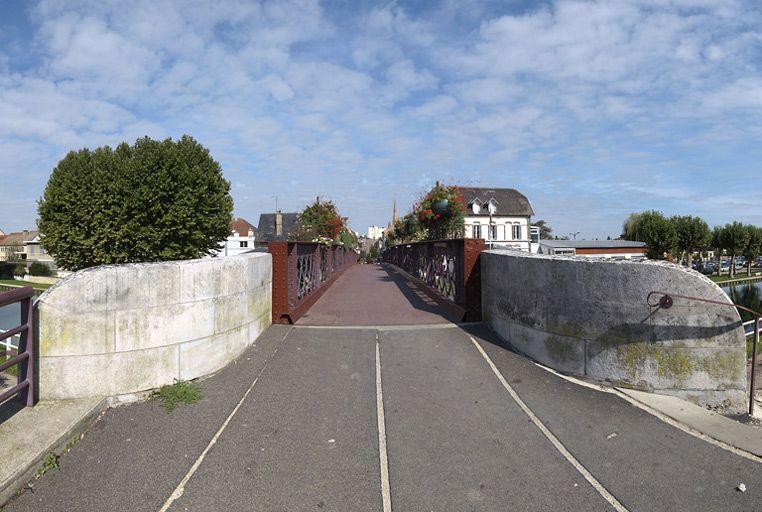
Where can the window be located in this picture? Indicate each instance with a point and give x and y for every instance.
(476, 231)
(516, 232)
(493, 232)
(244, 244)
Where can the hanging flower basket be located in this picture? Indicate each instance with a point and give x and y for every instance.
(440, 212)
(440, 206)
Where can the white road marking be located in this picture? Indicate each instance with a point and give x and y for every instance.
(180, 489)
(386, 495)
(551, 437)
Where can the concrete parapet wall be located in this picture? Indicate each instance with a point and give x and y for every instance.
(590, 317)
(121, 329)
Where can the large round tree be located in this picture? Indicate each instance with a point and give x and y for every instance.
(152, 201)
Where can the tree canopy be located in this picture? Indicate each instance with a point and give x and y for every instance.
(691, 234)
(655, 230)
(321, 222)
(150, 201)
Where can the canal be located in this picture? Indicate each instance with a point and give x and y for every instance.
(749, 295)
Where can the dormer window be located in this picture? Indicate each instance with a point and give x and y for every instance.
(492, 206)
(476, 207)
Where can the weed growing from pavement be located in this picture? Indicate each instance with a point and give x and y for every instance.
(181, 391)
(50, 462)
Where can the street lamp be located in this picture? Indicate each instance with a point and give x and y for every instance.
(574, 234)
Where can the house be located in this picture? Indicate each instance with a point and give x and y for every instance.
(276, 226)
(13, 245)
(606, 249)
(501, 216)
(36, 252)
(375, 232)
(241, 239)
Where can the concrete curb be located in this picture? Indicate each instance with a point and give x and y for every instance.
(692, 419)
(32, 433)
(708, 423)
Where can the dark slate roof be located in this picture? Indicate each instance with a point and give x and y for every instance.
(509, 200)
(592, 244)
(266, 229)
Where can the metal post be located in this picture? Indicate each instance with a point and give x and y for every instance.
(26, 344)
(754, 349)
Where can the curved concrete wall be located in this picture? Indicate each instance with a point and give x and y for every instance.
(590, 317)
(121, 329)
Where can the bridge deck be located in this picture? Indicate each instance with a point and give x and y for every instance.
(292, 425)
(376, 295)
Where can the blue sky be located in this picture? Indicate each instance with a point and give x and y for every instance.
(593, 109)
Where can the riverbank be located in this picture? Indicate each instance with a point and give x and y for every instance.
(18, 284)
(725, 280)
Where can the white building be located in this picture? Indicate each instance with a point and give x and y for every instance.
(375, 232)
(36, 252)
(241, 238)
(605, 249)
(501, 216)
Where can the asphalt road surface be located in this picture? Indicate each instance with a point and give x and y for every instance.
(293, 426)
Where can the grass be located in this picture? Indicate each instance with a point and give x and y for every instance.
(36, 286)
(724, 278)
(181, 392)
(13, 370)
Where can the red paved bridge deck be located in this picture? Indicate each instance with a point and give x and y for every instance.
(376, 295)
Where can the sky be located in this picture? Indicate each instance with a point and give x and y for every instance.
(592, 109)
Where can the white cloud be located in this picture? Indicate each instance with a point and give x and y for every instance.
(297, 101)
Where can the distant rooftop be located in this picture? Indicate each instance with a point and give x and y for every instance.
(242, 226)
(509, 201)
(18, 237)
(592, 244)
(266, 229)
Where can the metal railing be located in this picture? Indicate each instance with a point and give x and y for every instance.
(302, 271)
(666, 300)
(23, 357)
(449, 268)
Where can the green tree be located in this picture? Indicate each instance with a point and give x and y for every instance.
(691, 234)
(40, 269)
(655, 230)
(753, 246)
(630, 227)
(716, 243)
(735, 237)
(546, 232)
(152, 201)
(320, 221)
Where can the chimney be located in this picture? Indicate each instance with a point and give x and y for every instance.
(278, 223)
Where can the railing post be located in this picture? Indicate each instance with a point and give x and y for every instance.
(281, 288)
(754, 348)
(472, 278)
(26, 344)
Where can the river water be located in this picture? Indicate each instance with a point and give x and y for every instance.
(749, 295)
(10, 317)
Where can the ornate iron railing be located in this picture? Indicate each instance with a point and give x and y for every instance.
(24, 356)
(450, 268)
(302, 271)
